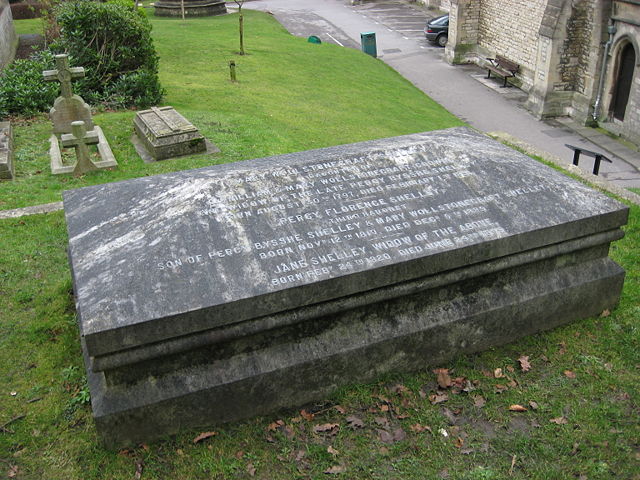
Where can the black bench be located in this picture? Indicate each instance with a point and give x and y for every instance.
(598, 156)
(503, 67)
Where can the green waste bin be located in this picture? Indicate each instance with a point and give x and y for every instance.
(368, 41)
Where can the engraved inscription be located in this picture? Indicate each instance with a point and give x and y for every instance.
(309, 222)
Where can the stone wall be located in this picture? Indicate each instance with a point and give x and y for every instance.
(626, 32)
(511, 29)
(8, 38)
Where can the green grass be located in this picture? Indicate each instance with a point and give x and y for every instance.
(31, 25)
(290, 96)
(288, 100)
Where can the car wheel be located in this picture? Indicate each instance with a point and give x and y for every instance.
(442, 40)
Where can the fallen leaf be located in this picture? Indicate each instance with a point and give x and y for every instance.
(499, 388)
(569, 374)
(204, 436)
(306, 415)
(327, 428)
(438, 398)
(563, 348)
(510, 369)
(466, 451)
(479, 401)
(251, 470)
(487, 373)
(443, 378)
(239, 454)
(559, 421)
(385, 437)
(443, 432)
(287, 431)
(391, 437)
(335, 470)
(605, 313)
(139, 469)
(402, 416)
(274, 426)
(384, 407)
(354, 422)
(517, 408)
(180, 452)
(126, 452)
(340, 409)
(399, 434)
(382, 421)
(525, 365)
(533, 405)
(459, 442)
(332, 451)
(399, 389)
(512, 383)
(13, 471)
(497, 373)
(449, 415)
(417, 428)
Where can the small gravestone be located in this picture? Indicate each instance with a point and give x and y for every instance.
(67, 107)
(7, 167)
(162, 133)
(215, 294)
(71, 116)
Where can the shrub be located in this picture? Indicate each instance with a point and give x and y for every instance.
(28, 9)
(22, 88)
(112, 41)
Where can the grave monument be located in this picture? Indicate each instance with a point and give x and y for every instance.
(211, 295)
(192, 8)
(162, 133)
(67, 110)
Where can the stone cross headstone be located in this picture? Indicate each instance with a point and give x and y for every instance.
(79, 139)
(68, 107)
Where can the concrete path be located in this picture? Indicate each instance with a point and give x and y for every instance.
(463, 90)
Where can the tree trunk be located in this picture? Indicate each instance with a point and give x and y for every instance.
(241, 25)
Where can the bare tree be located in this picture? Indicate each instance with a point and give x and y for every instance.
(241, 25)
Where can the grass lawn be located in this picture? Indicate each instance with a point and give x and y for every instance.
(581, 391)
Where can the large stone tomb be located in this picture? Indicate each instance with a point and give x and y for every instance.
(210, 295)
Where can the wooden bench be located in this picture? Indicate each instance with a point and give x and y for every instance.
(503, 67)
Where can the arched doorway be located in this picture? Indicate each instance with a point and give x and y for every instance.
(624, 80)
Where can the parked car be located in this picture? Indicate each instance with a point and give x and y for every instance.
(437, 30)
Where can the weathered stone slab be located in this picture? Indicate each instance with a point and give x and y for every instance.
(7, 166)
(266, 283)
(192, 8)
(164, 133)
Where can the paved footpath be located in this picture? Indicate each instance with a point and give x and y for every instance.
(463, 90)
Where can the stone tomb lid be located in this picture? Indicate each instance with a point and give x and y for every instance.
(165, 122)
(160, 257)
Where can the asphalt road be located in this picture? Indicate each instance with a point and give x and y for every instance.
(463, 90)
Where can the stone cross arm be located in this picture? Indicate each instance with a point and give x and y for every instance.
(63, 74)
(79, 136)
